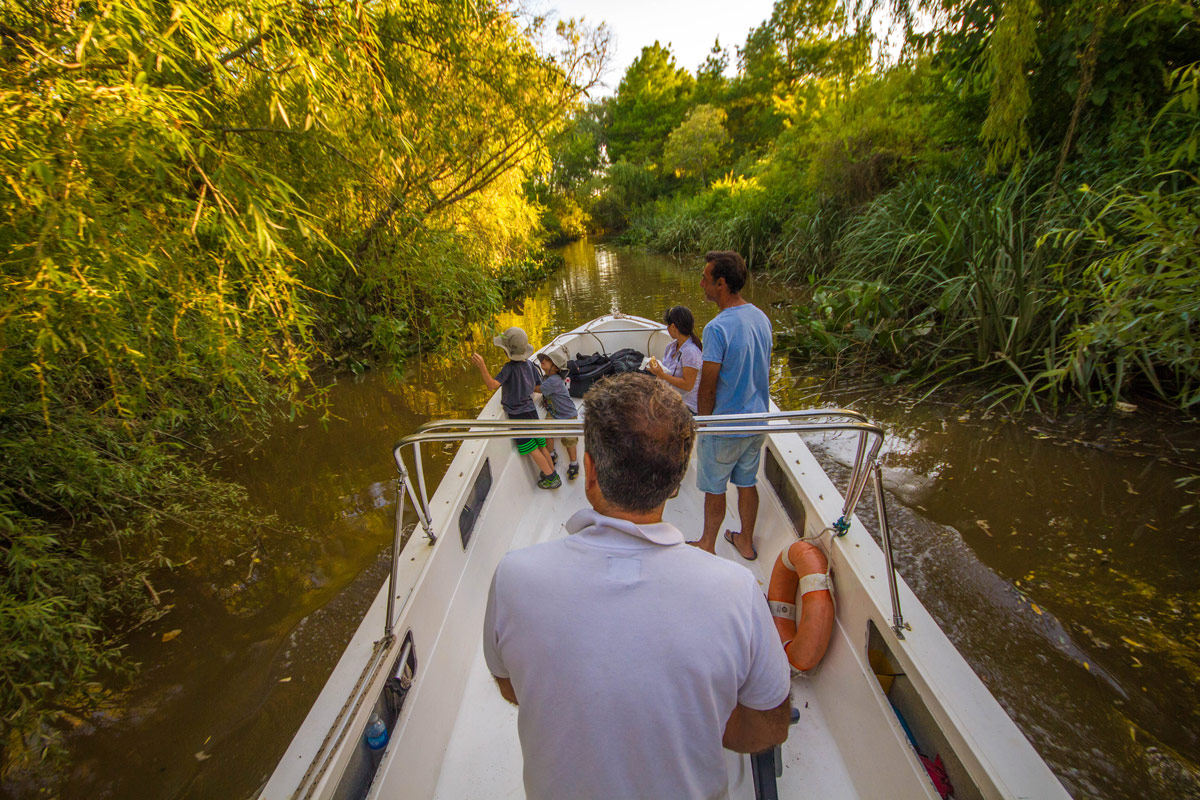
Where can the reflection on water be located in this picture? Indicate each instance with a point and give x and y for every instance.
(1060, 559)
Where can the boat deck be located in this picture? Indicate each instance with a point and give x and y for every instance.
(881, 692)
(483, 758)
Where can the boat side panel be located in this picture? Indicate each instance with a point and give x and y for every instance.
(446, 617)
(846, 725)
(996, 755)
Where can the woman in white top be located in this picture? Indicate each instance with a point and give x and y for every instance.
(681, 363)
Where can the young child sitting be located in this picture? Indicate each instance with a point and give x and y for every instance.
(515, 381)
(558, 402)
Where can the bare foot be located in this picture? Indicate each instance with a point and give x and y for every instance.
(699, 544)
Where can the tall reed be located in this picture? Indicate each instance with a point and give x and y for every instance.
(1038, 294)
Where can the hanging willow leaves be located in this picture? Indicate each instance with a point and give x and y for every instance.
(1011, 52)
(199, 200)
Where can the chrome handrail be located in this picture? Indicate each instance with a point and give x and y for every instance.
(866, 466)
(702, 422)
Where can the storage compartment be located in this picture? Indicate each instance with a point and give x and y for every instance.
(923, 732)
(364, 761)
(474, 503)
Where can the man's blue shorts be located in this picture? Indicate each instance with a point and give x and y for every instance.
(720, 459)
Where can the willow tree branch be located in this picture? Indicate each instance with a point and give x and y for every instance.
(242, 50)
(1087, 72)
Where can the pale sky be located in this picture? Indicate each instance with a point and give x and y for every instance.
(689, 27)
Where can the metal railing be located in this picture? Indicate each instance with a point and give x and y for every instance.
(649, 330)
(866, 467)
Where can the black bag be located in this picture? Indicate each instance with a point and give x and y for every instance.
(586, 370)
(627, 360)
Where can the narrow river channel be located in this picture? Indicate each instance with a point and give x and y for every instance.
(1062, 559)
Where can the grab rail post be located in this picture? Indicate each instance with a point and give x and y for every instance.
(422, 513)
(885, 534)
(856, 489)
(424, 496)
(397, 533)
(855, 473)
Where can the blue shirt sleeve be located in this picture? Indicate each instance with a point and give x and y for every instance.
(715, 342)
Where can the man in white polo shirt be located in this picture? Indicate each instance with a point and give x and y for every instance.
(634, 657)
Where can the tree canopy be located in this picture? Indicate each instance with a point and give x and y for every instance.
(698, 144)
(651, 101)
(202, 201)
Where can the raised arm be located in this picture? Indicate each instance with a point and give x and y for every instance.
(491, 383)
(750, 731)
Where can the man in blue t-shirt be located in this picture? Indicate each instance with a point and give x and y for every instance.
(734, 379)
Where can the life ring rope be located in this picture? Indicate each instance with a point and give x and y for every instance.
(809, 583)
(783, 559)
(816, 540)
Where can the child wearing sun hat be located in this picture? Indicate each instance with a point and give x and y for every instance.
(515, 381)
(559, 404)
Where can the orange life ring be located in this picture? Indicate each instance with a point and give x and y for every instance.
(802, 567)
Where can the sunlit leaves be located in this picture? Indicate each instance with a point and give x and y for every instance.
(651, 101)
(200, 200)
(698, 145)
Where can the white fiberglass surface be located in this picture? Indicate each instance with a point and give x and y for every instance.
(483, 757)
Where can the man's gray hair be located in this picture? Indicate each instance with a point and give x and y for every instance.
(639, 434)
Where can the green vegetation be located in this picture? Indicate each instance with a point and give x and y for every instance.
(205, 200)
(202, 200)
(1014, 200)
(697, 145)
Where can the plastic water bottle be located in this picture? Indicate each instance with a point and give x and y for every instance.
(377, 733)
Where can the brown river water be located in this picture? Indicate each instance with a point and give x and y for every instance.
(1061, 557)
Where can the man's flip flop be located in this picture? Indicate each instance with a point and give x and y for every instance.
(729, 538)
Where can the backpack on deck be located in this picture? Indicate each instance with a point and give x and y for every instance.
(586, 370)
(627, 360)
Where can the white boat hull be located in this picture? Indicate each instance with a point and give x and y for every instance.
(455, 737)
